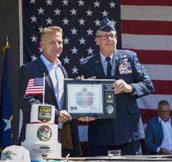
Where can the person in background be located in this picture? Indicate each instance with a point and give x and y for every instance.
(159, 131)
(51, 43)
(132, 82)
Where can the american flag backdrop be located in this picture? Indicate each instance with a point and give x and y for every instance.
(79, 20)
(144, 26)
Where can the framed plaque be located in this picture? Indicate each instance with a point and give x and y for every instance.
(90, 97)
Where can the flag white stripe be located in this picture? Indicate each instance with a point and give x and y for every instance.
(35, 90)
(151, 101)
(159, 72)
(147, 42)
(159, 13)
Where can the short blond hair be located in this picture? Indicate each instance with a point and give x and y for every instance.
(50, 29)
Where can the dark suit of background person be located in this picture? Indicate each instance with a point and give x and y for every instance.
(51, 44)
(124, 131)
(155, 132)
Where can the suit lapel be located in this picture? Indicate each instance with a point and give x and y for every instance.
(115, 62)
(64, 71)
(99, 68)
(113, 66)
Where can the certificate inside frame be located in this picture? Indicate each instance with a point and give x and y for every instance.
(100, 94)
(82, 98)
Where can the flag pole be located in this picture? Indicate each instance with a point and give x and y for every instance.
(44, 89)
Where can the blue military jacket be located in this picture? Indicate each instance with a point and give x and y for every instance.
(128, 124)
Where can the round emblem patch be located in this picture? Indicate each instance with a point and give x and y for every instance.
(109, 109)
(44, 133)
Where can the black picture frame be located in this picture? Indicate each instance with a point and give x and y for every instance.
(90, 97)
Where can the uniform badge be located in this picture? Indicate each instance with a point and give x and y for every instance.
(44, 133)
(109, 109)
(125, 68)
(109, 97)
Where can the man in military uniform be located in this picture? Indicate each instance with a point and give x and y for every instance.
(132, 82)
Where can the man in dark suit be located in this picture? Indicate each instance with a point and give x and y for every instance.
(49, 64)
(159, 131)
(132, 82)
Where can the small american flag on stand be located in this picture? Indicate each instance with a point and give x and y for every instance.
(34, 87)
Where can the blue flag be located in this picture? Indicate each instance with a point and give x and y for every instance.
(5, 106)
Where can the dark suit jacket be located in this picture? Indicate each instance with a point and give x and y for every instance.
(154, 135)
(36, 69)
(128, 125)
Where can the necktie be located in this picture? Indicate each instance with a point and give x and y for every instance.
(109, 67)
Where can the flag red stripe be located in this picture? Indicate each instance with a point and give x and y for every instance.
(147, 114)
(154, 57)
(147, 2)
(33, 94)
(146, 27)
(28, 93)
(162, 87)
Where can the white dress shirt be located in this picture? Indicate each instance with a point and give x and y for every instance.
(57, 78)
(104, 62)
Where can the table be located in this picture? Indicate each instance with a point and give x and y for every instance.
(128, 158)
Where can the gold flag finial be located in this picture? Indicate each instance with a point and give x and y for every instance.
(6, 45)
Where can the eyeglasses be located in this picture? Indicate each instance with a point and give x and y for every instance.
(163, 112)
(105, 37)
